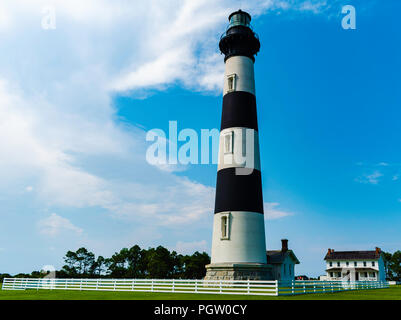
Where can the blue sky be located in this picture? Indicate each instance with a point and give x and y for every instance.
(76, 103)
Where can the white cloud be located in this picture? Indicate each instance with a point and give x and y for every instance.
(54, 225)
(183, 48)
(273, 213)
(191, 247)
(383, 164)
(372, 178)
(58, 128)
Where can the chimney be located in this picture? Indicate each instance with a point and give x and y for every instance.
(378, 250)
(328, 251)
(284, 245)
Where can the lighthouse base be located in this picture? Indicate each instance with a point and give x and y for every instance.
(238, 271)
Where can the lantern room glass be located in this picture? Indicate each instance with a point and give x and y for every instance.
(240, 19)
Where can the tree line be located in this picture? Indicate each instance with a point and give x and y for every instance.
(134, 262)
(392, 264)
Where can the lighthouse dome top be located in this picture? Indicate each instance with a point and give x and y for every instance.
(239, 18)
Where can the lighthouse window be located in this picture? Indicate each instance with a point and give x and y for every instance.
(224, 227)
(231, 79)
(228, 142)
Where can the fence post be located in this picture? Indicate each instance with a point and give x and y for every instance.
(304, 288)
(133, 285)
(173, 285)
(152, 285)
(114, 284)
(332, 289)
(292, 286)
(314, 286)
(220, 287)
(248, 284)
(276, 287)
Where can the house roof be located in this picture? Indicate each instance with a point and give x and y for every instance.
(361, 269)
(353, 255)
(278, 256)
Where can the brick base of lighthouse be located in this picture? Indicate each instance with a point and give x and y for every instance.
(238, 271)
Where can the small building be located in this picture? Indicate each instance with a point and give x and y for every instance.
(355, 265)
(282, 262)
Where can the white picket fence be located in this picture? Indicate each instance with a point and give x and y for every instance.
(247, 287)
(317, 286)
(147, 285)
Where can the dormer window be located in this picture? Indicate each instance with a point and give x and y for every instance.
(330, 264)
(338, 264)
(231, 82)
(373, 264)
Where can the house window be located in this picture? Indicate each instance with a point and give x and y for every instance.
(338, 264)
(365, 274)
(225, 223)
(231, 82)
(331, 274)
(339, 274)
(228, 142)
(331, 264)
(364, 263)
(373, 263)
(355, 264)
(373, 274)
(347, 263)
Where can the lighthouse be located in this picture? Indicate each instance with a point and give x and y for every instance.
(238, 243)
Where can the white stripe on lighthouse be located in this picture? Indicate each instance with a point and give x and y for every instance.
(246, 238)
(245, 149)
(242, 68)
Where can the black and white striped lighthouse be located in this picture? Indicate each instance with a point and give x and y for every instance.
(238, 245)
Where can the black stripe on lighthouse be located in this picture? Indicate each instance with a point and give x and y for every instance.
(238, 192)
(239, 110)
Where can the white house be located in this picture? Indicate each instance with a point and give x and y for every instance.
(355, 265)
(282, 262)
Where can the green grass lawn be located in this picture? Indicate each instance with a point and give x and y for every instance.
(392, 293)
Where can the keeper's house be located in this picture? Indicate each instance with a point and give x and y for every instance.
(355, 265)
(282, 262)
